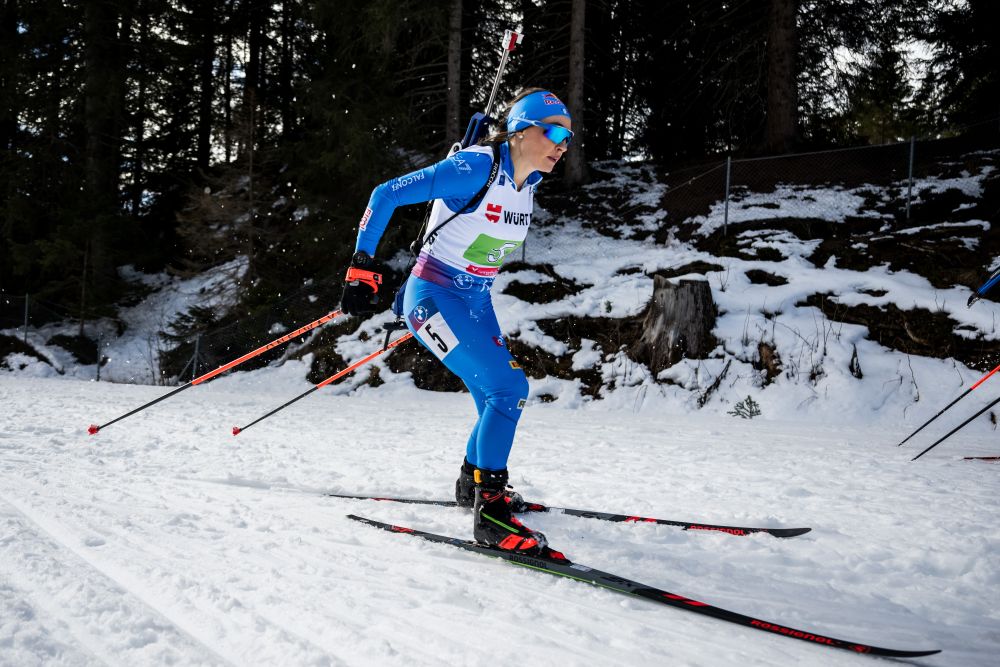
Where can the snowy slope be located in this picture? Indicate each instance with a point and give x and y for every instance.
(165, 540)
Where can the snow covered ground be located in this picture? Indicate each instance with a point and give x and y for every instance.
(165, 540)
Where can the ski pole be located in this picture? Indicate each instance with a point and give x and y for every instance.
(94, 428)
(333, 378)
(981, 292)
(964, 394)
(948, 435)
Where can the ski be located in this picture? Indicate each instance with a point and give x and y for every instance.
(603, 516)
(981, 458)
(556, 564)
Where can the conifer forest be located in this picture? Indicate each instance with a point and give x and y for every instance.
(173, 135)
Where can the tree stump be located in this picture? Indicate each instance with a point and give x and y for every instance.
(678, 324)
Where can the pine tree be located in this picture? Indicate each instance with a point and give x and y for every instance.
(963, 77)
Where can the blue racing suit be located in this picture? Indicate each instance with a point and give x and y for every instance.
(447, 302)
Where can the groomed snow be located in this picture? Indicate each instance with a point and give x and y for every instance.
(165, 540)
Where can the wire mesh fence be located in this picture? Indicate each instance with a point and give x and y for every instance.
(20, 311)
(199, 349)
(185, 345)
(882, 184)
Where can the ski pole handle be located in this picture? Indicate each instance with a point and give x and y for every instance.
(511, 38)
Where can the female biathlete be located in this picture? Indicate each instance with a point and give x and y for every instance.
(483, 197)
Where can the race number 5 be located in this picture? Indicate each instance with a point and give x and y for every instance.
(438, 336)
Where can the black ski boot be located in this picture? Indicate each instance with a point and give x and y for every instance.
(493, 521)
(465, 490)
(465, 485)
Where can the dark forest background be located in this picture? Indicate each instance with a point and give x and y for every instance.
(175, 135)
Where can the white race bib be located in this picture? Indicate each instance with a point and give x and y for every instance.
(438, 336)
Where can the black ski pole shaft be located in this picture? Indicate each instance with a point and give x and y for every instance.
(238, 429)
(960, 426)
(947, 407)
(333, 378)
(94, 428)
(964, 394)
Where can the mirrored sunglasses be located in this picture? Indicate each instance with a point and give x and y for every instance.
(554, 133)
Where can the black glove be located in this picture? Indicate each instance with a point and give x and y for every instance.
(361, 286)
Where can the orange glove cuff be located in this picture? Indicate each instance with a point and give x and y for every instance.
(370, 278)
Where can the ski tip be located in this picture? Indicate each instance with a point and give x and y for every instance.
(378, 524)
(788, 532)
(93, 429)
(236, 430)
(891, 653)
(362, 519)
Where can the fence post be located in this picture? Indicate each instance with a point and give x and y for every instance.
(725, 215)
(26, 297)
(194, 360)
(909, 189)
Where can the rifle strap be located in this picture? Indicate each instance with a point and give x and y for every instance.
(471, 205)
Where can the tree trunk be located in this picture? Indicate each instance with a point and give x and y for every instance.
(142, 41)
(206, 17)
(472, 20)
(101, 105)
(576, 163)
(453, 101)
(782, 97)
(619, 117)
(255, 39)
(8, 74)
(599, 77)
(104, 103)
(285, 66)
(227, 96)
(678, 324)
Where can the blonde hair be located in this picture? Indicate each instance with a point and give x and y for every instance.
(504, 135)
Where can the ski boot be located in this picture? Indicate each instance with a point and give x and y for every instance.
(465, 490)
(465, 485)
(493, 521)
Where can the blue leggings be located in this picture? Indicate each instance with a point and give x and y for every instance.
(460, 328)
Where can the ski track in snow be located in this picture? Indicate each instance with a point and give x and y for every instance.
(164, 540)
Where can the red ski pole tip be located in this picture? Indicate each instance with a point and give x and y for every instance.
(93, 429)
(236, 430)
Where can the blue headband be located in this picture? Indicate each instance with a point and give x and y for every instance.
(536, 106)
